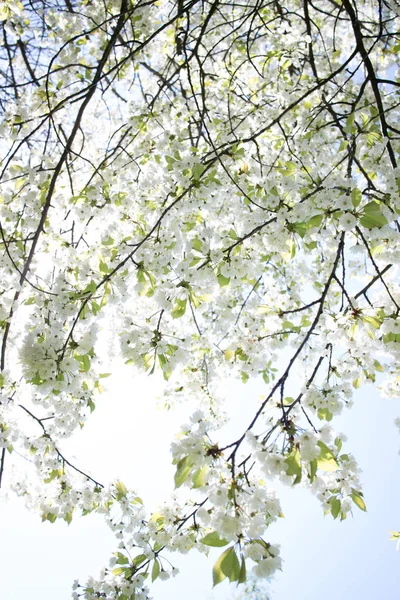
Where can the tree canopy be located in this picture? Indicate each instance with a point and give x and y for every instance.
(210, 188)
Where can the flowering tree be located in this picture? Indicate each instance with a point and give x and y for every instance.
(219, 180)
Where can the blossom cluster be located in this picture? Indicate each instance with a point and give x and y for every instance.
(209, 191)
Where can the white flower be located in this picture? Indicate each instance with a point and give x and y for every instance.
(203, 516)
(228, 526)
(164, 575)
(391, 325)
(308, 446)
(218, 496)
(267, 567)
(348, 221)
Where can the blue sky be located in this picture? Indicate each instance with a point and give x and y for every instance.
(323, 559)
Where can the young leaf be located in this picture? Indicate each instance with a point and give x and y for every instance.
(358, 500)
(121, 490)
(326, 459)
(226, 566)
(223, 281)
(179, 309)
(183, 469)
(198, 478)
(325, 414)
(356, 197)
(313, 469)
(294, 465)
(139, 559)
(372, 216)
(218, 574)
(335, 507)
(197, 171)
(230, 565)
(242, 573)
(121, 558)
(119, 570)
(155, 571)
(213, 539)
(85, 362)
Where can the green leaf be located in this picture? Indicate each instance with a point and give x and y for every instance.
(68, 517)
(372, 138)
(179, 309)
(242, 573)
(326, 460)
(121, 558)
(139, 559)
(315, 221)
(1, 380)
(197, 171)
(90, 288)
(358, 500)
(197, 244)
(183, 469)
(274, 191)
(349, 123)
(218, 574)
(213, 539)
(232, 234)
(103, 267)
(338, 443)
(53, 475)
(353, 330)
(226, 566)
(374, 321)
(37, 380)
(121, 490)
(312, 245)
(95, 308)
(198, 478)
(389, 337)
(230, 565)
(223, 280)
(313, 469)
(288, 401)
(155, 570)
(49, 517)
(287, 169)
(372, 216)
(294, 465)
(85, 360)
(108, 242)
(119, 570)
(301, 228)
(141, 276)
(335, 507)
(325, 414)
(356, 197)
(244, 376)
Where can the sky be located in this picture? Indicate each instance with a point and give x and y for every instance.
(128, 437)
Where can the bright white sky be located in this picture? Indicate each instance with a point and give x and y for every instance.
(128, 437)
